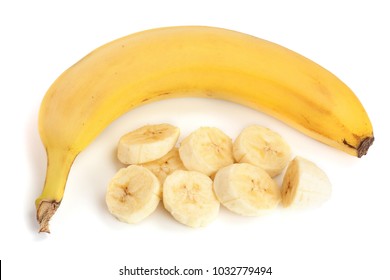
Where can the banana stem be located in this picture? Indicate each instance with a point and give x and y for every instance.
(364, 145)
(59, 163)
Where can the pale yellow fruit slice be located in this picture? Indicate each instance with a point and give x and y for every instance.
(246, 189)
(305, 185)
(133, 194)
(166, 165)
(262, 147)
(189, 197)
(206, 150)
(147, 143)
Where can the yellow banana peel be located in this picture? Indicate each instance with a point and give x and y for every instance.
(187, 61)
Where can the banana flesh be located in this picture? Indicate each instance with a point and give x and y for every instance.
(189, 197)
(191, 61)
(206, 150)
(246, 189)
(305, 185)
(133, 194)
(193, 198)
(147, 143)
(262, 147)
(166, 165)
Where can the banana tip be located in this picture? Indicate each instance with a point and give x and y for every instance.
(364, 146)
(45, 211)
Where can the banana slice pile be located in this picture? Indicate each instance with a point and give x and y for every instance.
(207, 169)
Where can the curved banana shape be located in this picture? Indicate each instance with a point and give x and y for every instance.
(191, 61)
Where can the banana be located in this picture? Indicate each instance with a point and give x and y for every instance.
(206, 150)
(188, 61)
(246, 189)
(166, 165)
(189, 197)
(147, 143)
(133, 194)
(262, 147)
(305, 184)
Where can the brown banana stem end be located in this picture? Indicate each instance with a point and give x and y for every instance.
(364, 145)
(45, 211)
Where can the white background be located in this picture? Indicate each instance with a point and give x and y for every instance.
(348, 238)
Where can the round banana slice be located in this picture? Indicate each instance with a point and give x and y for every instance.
(133, 194)
(305, 184)
(246, 189)
(147, 143)
(189, 197)
(206, 150)
(262, 147)
(166, 165)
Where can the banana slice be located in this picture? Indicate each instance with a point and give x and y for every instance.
(189, 197)
(206, 150)
(262, 147)
(305, 184)
(133, 194)
(166, 165)
(147, 143)
(246, 189)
